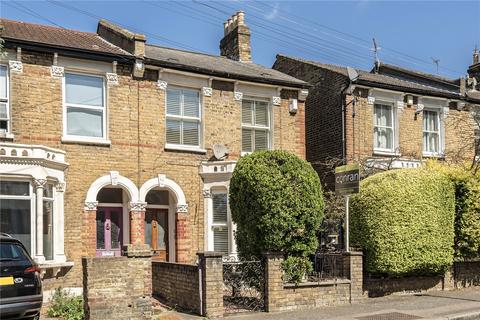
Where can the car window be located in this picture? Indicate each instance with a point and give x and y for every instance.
(12, 251)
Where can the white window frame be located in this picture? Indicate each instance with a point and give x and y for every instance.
(257, 127)
(183, 147)
(86, 139)
(229, 224)
(393, 127)
(6, 100)
(30, 197)
(439, 152)
(54, 213)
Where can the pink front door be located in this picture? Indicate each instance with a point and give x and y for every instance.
(109, 232)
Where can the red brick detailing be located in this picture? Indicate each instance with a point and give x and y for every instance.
(182, 239)
(137, 227)
(89, 233)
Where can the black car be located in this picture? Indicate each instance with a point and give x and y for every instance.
(20, 284)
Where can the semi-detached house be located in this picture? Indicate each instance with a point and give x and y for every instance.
(389, 117)
(107, 141)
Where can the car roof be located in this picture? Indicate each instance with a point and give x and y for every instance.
(5, 237)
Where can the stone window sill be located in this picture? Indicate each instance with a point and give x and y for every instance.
(86, 141)
(56, 267)
(386, 153)
(7, 137)
(175, 147)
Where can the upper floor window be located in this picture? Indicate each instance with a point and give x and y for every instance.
(85, 106)
(431, 132)
(4, 103)
(384, 127)
(255, 125)
(183, 117)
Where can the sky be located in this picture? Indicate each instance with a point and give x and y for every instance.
(408, 33)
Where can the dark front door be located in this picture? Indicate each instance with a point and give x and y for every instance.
(156, 232)
(109, 232)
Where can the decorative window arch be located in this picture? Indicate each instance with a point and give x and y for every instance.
(163, 182)
(113, 179)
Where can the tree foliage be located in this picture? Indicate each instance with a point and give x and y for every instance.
(403, 220)
(276, 202)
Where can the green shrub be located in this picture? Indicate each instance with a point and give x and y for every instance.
(403, 220)
(467, 208)
(276, 201)
(65, 305)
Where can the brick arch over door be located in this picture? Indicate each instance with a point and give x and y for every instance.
(113, 179)
(164, 183)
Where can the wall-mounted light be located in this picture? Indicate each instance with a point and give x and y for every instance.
(293, 106)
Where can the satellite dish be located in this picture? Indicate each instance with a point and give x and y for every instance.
(220, 151)
(352, 74)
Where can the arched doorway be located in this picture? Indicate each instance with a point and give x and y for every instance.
(111, 213)
(165, 219)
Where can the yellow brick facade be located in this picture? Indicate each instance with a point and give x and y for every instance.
(136, 129)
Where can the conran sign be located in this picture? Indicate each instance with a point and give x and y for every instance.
(347, 179)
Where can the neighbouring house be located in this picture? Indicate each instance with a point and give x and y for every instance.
(390, 117)
(107, 140)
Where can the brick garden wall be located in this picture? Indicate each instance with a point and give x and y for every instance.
(462, 274)
(117, 288)
(283, 297)
(176, 284)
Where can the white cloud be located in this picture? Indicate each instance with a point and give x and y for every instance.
(273, 14)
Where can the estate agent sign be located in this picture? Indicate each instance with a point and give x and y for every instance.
(347, 181)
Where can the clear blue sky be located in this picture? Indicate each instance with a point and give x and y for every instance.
(409, 33)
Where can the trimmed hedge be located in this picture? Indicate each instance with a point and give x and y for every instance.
(403, 220)
(467, 208)
(277, 204)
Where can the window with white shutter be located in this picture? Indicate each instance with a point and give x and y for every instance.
(4, 100)
(220, 226)
(431, 132)
(255, 125)
(183, 125)
(384, 128)
(85, 110)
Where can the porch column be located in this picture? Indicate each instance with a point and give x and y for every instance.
(39, 184)
(89, 230)
(137, 223)
(182, 237)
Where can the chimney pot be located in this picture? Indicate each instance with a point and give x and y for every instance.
(241, 18)
(475, 55)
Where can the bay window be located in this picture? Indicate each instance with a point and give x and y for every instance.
(85, 110)
(16, 211)
(183, 114)
(4, 100)
(431, 132)
(255, 125)
(384, 128)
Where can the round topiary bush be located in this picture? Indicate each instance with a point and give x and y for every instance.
(403, 220)
(276, 202)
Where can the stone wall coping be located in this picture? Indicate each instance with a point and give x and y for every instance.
(175, 264)
(353, 253)
(273, 254)
(210, 254)
(316, 284)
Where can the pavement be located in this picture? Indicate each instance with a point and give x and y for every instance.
(443, 305)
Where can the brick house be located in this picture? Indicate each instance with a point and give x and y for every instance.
(390, 117)
(107, 141)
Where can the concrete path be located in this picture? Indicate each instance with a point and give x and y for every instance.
(446, 305)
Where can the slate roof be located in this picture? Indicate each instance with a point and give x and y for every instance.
(18, 31)
(218, 66)
(397, 78)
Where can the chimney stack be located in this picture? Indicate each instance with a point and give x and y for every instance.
(235, 44)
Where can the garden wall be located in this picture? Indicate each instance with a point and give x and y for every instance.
(463, 274)
(176, 284)
(280, 296)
